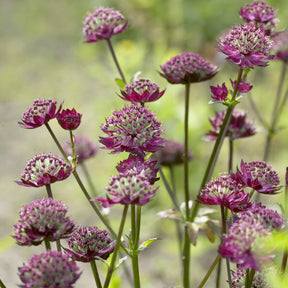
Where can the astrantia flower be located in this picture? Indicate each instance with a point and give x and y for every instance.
(224, 191)
(142, 91)
(43, 219)
(69, 119)
(133, 129)
(280, 47)
(246, 46)
(39, 114)
(244, 87)
(259, 176)
(172, 153)
(187, 68)
(44, 169)
(50, 269)
(219, 93)
(84, 148)
(128, 188)
(136, 163)
(102, 24)
(90, 243)
(259, 13)
(242, 244)
(239, 126)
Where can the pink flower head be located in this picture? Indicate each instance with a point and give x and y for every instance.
(84, 148)
(43, 219)
(142, 91)
(40, 114)
(244, 87)
(128, 188)
(239, 126)
(187, 68)
(90, 243)
(239, 278)
(49, 269)
(136, 163)
(259, 176)
(259, 13)
(69, 119)
(172, 154)
(280, 47)
(226, 192)
(102, 24)
(44, 169)
(242, 244)
(219, 93)
(246, 46)
(133, 129)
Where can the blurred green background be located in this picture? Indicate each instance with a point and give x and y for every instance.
(43, 55)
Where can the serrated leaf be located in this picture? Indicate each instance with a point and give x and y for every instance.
(120, 83)
(146, 243)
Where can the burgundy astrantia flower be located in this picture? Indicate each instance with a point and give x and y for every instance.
(219, 93)
(246, 46)
(172, 153)
(43, 219)
(39, 114)
(102, 24)
(49, 269)
(259, 176)
(44, 169)
(242, 244)
(239, 126)
(69, 119)
(280, 47)
(136, 163)
(128, 188)
(84, 148)
(226, 192)
(259, 13)
(141, 91)
(244, 87)
(90, 243)
(187, 68)
(133, 129)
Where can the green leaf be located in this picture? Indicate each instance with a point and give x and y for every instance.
(120, 83)
(146, 243)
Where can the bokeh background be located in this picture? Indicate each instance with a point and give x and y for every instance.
(43, 55)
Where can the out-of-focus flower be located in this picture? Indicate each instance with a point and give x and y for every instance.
(136, 163)
(43, 219)
(239, 126)
(69, 119)
(187, 68)
(226, 192)
(244, 87)
(219, 93)
(171, 154)
(49, 269)
(243, 244)
(84, 148)
(44, 169)
(133, 129)
(39, 114)
(246, 46)
(280, 47)
(90, 243)
(259, 13)
(259, 176)
(128, 188)
(141, 91)
(102, 24)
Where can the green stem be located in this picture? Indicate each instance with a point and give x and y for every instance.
(217, 259)
(186, 258)
(96, 274)
(117, 246)
(249, 278)
(47, 244)
(217, 145)
(49, 191)
(73, 148)
(115, 60)
(88, 177)
(172, 177)
(230, 164)
(218, 278)
(2, 284)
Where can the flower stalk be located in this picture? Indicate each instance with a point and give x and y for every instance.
(96, 274)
